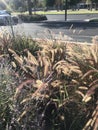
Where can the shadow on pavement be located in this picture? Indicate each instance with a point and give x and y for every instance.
(68, 24)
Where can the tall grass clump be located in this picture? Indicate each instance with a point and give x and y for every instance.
(86, 58)
(5, 41)
(22, 43)
(56, 87)
(56, 75)
(17, 43)
(7, 89)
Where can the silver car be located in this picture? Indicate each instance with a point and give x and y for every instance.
(6, 18)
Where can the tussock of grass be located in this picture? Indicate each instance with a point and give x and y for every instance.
(56, 88)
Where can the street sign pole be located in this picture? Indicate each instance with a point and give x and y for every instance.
(66, 1)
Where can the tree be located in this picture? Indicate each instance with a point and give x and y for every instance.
(50, 3)
(35, 4)
(21, 5)
(59, 4)
(89, 3)
(2, 5)
(96, 4)
(29, 7)
(17, 4)
(73, 4)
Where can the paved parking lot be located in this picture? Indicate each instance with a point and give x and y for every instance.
(47, 30)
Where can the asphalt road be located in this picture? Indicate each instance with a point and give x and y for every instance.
(56, 28)
(71, 17)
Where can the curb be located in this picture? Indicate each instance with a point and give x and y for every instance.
(76, 23)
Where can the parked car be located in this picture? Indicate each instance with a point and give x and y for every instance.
(92, 20)
(6, 18)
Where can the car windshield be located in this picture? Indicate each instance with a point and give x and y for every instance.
(3, 12)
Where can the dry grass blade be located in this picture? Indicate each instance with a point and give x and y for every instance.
(46, 64)
(93, 83)
(16, 57)
(40, 91)
(26, 100)
(75, 82)
(86, 98)
(95, 116)
(46, 67)
(19, 88)
(62, 62)
(89, 93)
(89, 73)
(1, 56)
(92, 123)
(30, 69)
(92, 89)
(22, 115)
(40, 59)
(19, 60)
(83, 88)
(12, 51)
(38, 83)
(56, 83)
(76, 69)
(53, 55)
(31, 59)
(94, 55)
(80, 93)
(13, 64)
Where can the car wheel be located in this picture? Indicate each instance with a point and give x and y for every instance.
(15, 20)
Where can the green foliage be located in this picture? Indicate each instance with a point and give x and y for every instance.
(50, 3)
(2, 5)
(32, 18)
(22, 43)
(5, 41)
(17, 4)
(7, 88)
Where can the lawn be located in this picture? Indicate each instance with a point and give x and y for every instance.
(81, 11)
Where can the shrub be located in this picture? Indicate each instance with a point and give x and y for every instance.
(18, 43)
(51, 90)
(59, 86)
(7, 89)
(32, 18)
(5, 41)
(22, 43)
(86, 58)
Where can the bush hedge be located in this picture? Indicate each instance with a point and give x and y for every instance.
(32, 18)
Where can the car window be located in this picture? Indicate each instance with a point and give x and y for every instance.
(3, 12)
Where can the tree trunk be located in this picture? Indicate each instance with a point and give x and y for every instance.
(35, 6)
(29, 7)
